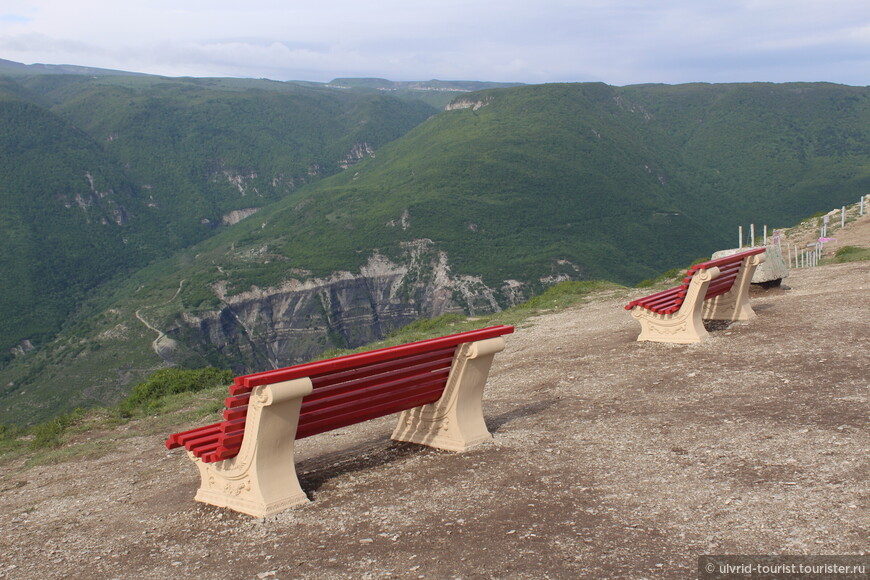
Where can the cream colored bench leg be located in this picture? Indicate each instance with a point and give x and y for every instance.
(454, 422)
(684, 326)
(734, 304)
(261, 480)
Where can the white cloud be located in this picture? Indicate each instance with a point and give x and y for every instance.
(619, 42)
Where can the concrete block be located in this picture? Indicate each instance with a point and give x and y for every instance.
(773, 268)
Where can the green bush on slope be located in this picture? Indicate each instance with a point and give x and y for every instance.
(148, 396)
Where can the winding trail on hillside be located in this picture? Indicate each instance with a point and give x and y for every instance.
(155, 344)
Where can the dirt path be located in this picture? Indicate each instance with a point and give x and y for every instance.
(611, 459)
(162, 344)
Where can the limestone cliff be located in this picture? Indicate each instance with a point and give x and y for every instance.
(272, 327)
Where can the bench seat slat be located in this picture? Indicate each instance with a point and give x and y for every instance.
(343, 395)
(232, 440)
(201, 448)
(335, 389)
(237, 400)
(174, 440)
(726, 260)
(350, 414)
(440, 357)
(652, 297)
(179, 439)
(673, 296)
(234, 425)
(210, 457)
(667, 302)
(236, 413)
(223, 452)
(328, 377)
(716, 288)
(373, 356)
(364, 394)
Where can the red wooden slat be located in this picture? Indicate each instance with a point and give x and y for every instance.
(667, 304)
(237, 400)
(672, 296)
(330, 389)
(730, 267)
(720, 286)
(234, 425)
(224, 452)
(204, 447)
(196, 434)
(236, 413)
(661, 296)
(726, 260)
(232, 440)
(353, 360)
(338, 418)
(645, 299)
(211, 457)
(178, 439)
(328, 378)
(360, 397)
(359, 405)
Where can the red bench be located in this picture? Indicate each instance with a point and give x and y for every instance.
(246, 460)
(714, 290)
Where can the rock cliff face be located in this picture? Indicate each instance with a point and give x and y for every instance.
(467, 103)
(274, 327)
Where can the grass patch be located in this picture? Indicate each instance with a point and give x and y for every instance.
(168, 397)
(150, 396)
(50, 434)
(64, 453)
(850, 254)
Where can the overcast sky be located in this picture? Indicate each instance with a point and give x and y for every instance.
(618, 42)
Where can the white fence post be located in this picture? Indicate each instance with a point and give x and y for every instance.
(740, 234)
(843, 217)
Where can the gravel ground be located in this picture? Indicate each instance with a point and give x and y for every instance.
(611, 459)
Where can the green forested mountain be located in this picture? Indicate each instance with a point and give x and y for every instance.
(101, 175)
(372, 209)
(62, 205)
(620, 182)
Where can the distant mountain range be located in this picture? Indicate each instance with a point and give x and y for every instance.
(250, 223)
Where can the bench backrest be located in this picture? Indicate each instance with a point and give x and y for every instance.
(669, 301)
(347, 390)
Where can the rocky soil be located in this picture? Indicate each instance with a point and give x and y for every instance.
(611, 459)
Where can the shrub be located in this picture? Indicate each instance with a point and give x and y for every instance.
(50, 433)
(148, 396)
(427, 325)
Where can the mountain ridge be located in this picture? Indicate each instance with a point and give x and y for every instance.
(509, 190)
